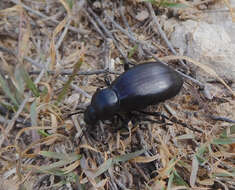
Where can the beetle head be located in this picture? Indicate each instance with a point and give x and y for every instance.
(104, 104)
(90, 116)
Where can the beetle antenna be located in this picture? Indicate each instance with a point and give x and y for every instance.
(74, 113)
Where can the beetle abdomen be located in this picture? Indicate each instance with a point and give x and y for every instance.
(146, 84)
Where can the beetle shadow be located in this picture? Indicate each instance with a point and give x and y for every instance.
(121, 121)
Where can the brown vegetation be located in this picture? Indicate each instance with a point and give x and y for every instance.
(53, 56)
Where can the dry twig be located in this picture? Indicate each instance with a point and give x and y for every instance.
(162, 33)
(73, 29)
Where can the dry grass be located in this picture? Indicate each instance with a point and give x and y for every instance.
(53, 56)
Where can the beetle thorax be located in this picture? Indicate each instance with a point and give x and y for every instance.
(105, 103)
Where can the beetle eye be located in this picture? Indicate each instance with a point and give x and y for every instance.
(90, 115)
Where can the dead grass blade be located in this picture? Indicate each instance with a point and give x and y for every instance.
(165, 154)
(52, 44)
(17, 138)
(186, 136)
(219, 172)
(86, 146)
(67, 5)
(24, 36)
(193, 176)
(49, 140)
(71, 167)
(231, 9)
(10, 11)
(143, 159)
(47, 92)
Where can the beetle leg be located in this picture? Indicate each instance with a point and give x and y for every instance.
(107, 80)
(174, 120)
(157, 114)
(161, 117)
(122, 122)
(127, 65)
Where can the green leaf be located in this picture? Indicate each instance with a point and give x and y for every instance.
(227, 174)
(184, 164)
(19, 87)
(200, 152)
(64, 159)
(172, 166)
(167, 3)
(70, 3)
(232, 129)
(29, 82)
(178, 179)
(108, 163)
(186, 136)
(68, 178)
(33, 113)
(67, 84)
(150, 1)
(172, 5)
(104, 167)
(5, 86)
(8, 106)
(44, 91)
(43, 133)
(132, 51)
(224, 140)
(19, 80)
(170, 181)
(129, 156)
(225, 137)
(56, 172)
(56, 165)
(224, 133)
(59, 156)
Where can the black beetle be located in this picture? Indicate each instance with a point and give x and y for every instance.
(140, 86)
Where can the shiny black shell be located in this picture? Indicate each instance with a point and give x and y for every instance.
(140, 86)
(146, 84)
